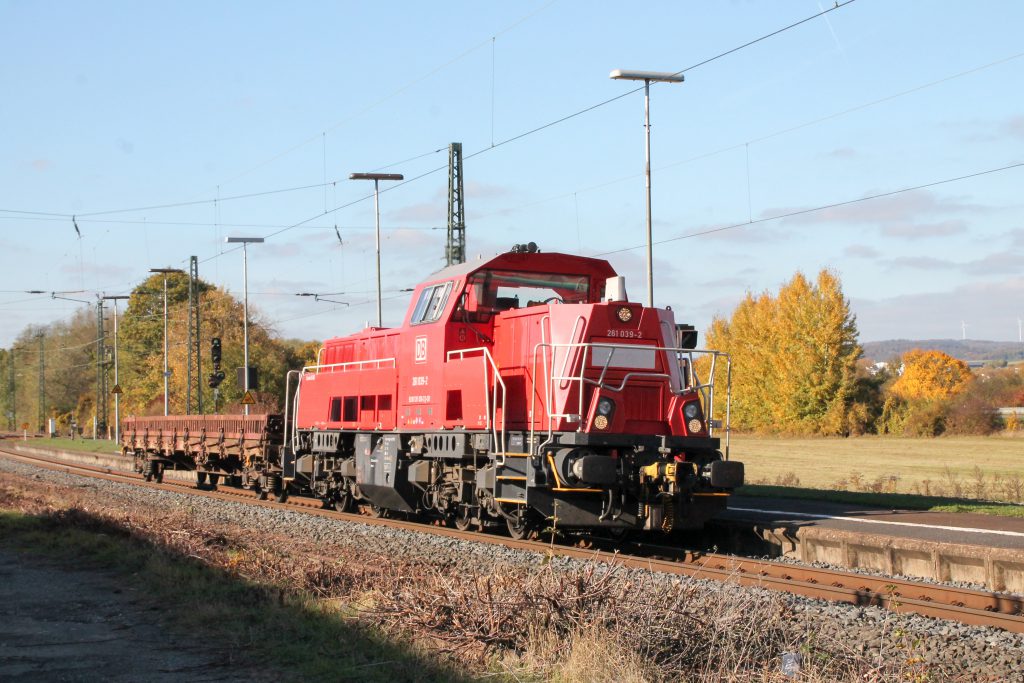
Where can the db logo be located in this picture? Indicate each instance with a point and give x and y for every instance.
(421, 349)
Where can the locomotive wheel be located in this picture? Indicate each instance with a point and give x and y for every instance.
(619, 534)
(374, 511)
(518, 529)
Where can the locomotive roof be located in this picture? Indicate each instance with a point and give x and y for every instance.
(569, 264)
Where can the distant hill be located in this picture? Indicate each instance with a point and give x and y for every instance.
(964, 349)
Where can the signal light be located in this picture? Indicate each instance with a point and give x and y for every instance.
(215, 350)
(215, 379)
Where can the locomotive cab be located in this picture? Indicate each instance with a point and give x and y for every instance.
(526, 390)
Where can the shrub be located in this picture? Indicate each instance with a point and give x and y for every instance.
(971, 414)
(925, 418)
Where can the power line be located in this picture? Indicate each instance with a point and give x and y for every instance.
(501, 143)
(823, 207)
(767, 136)
(211, 225)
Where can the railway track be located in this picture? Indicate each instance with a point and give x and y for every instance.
(973, 607)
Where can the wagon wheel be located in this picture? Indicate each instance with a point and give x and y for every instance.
(463, 518)
(282, 494)
(158, 474)
(342, 500)
(375, 511)
(213, 482)
(201, 479)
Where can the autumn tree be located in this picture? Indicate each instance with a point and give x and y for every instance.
(937, 394)
(930, 375)
(794, 357)
(142, 349)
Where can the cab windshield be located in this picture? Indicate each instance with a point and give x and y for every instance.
(492, 291)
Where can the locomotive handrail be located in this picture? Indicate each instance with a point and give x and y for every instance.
(492, 422)
(284, 435)
(357, 363)
(690, 383)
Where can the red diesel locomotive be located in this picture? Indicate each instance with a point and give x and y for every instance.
(522, 390)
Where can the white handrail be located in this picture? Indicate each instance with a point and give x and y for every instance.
(691, 382)
(284, 439)
(358, 364)
(492, 420)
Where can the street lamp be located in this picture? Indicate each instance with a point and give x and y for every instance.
(117, 383)
(167, 372)
(647, 77)
(245, 241)
(376, 178)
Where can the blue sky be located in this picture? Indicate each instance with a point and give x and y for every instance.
(112, 106)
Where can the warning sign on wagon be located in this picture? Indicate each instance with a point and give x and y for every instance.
(248, 400)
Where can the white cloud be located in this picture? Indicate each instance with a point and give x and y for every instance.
(919, 263)
(861, 251)
(923, 230)
(990, 310)
(903, 208)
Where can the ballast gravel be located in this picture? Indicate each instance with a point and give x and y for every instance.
(951, 649)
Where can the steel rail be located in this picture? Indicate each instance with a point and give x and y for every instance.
(973, 607)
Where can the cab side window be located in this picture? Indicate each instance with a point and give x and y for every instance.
(431, 303)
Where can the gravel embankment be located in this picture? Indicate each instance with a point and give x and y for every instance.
(950, 650)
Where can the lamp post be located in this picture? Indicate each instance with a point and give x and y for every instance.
(117, 382)
(376, 178)
(647, 77)
(245, 241)
(167, 373)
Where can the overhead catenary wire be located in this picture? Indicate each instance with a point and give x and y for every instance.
(761, 138)
(494, 145)
(532, 131)
(823, 207)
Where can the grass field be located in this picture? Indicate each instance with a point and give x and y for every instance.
(971, 468)
(87, 445)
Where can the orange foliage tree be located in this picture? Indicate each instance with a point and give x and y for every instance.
(794, 357)
(931, 375)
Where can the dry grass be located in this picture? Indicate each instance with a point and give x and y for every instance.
(597, 622)
(989, 468)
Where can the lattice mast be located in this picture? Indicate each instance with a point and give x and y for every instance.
(455, 250)
(12, 407)
(195, 371)
(101, 372)
(42, 382)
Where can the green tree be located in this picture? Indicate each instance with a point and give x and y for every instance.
(222, 316)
